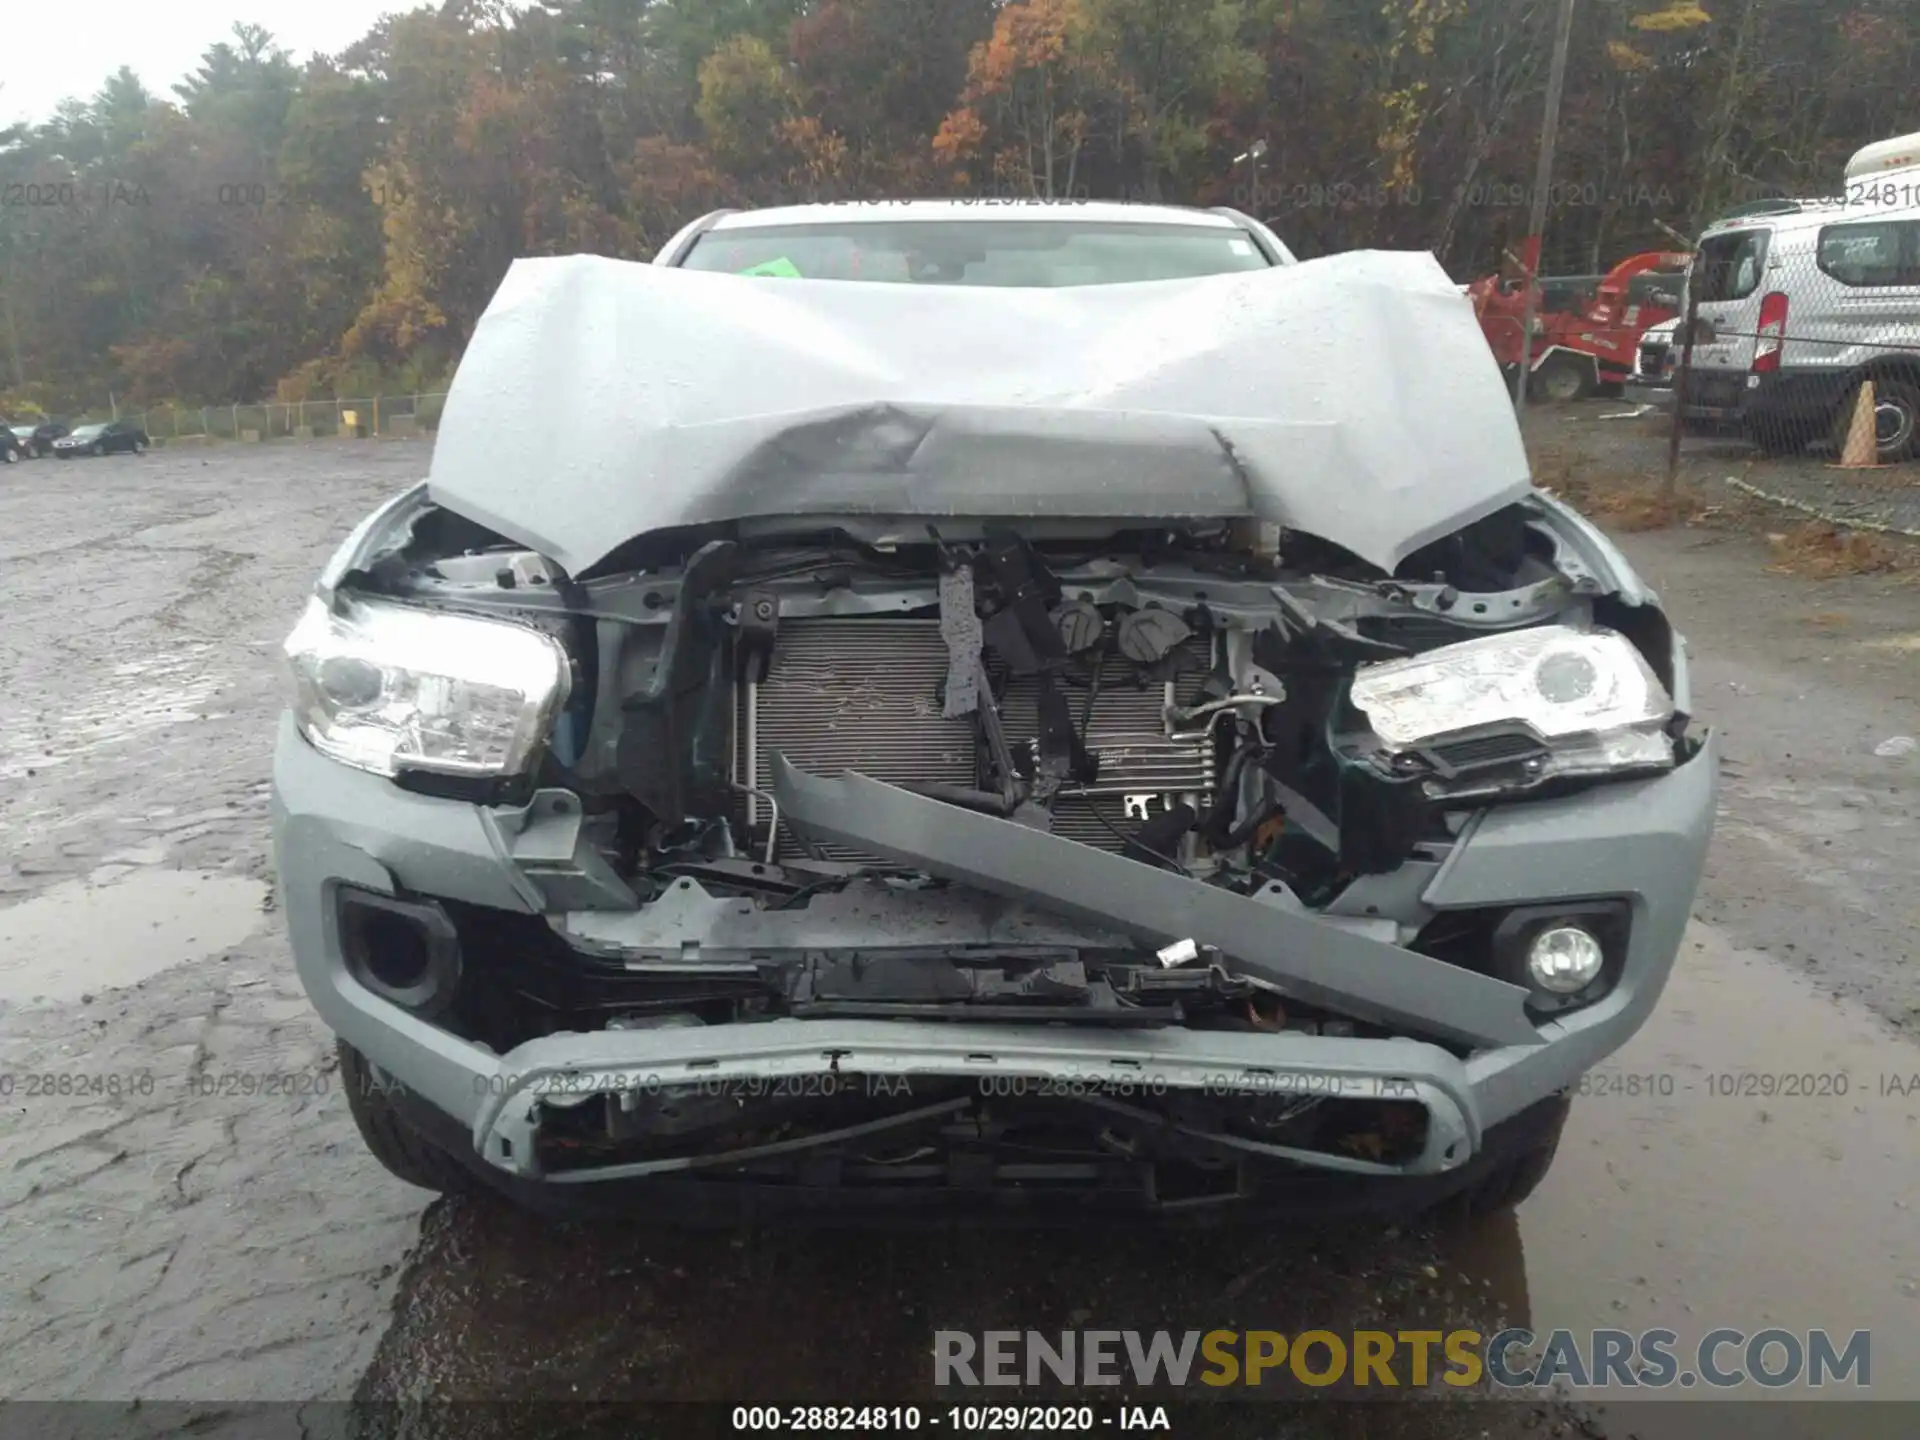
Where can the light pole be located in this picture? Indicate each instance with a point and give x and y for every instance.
(1253, 153)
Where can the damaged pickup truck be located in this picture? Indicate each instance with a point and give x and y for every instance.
(983, 748)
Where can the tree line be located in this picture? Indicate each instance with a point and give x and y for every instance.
(274, 230)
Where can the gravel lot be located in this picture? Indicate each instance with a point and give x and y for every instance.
(174, 1239)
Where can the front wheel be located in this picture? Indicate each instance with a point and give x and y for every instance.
(404, 1151)
(12, 455)
(96, 449)
(139, 447)
(1520, 1176)
(1562, 379)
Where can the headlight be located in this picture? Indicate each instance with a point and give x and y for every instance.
(389, 688)
(1588, 693)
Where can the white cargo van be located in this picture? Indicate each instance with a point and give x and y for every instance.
(1799, 302)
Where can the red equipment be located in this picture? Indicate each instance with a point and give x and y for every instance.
(1586, 331)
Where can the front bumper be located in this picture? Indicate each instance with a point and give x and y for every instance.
(1780, 403)
(1643, 840)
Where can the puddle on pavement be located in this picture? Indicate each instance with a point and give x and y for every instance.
(144, 695)
(1695, 1204)
(77, 939)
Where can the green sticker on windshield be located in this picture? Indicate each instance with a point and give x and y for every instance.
(782, 267)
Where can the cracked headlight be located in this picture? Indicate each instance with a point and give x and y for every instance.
(388, 688)
(1589, 694)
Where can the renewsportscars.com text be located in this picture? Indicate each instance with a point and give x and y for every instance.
(1507, 1359)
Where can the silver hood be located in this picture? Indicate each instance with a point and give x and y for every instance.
(1352, 398)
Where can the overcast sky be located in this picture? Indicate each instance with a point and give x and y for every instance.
(61, 48)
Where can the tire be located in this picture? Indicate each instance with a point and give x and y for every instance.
(1520, 1176)
(139, 447)
(1896, 419)
(1562, 380)
(12, 455)
(405, 1152)
(96, 449)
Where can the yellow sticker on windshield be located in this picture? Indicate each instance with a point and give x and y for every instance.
(781, 266)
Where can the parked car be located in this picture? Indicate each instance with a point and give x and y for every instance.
(109, 438)
(1042, 746)
(1797, 308)
(36, 437)
(12, 447)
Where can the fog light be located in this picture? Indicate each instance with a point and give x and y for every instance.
(1564, 959)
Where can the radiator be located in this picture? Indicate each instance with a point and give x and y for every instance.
(863, 694)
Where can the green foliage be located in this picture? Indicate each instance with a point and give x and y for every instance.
(272, 230)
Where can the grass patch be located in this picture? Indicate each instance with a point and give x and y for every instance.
(1644, 509)
(1629, 502)
(1621, 499)
(1823, 552)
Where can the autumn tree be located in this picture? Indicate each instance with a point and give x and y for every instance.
(1172, 63)
(1029, 92)
(266, 226)
(882, 75)
(754, 125)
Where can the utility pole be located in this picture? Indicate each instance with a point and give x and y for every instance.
(1542, 182)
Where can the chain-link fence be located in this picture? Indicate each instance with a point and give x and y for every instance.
(1805, 333)
(1801, 337)
(367, 416)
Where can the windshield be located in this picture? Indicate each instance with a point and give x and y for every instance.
(1027, 253)
(87, 432)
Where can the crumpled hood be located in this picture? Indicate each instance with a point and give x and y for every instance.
(1353, 398)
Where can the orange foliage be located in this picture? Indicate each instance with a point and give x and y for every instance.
(1019, 97)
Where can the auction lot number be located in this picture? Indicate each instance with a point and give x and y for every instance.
(826, 1417)
(964, 1418)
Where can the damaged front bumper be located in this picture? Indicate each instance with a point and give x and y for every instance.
(1482, 1067)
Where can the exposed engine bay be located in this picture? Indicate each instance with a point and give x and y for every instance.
(1157, 747)
(1181, 698)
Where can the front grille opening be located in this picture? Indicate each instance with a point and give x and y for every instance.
(522, 981)
(1028, 1143)
(1387, 1132)
(867, 695)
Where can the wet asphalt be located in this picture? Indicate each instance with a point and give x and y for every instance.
(186, 1212)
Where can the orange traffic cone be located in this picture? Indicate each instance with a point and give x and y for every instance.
(1861, 451)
